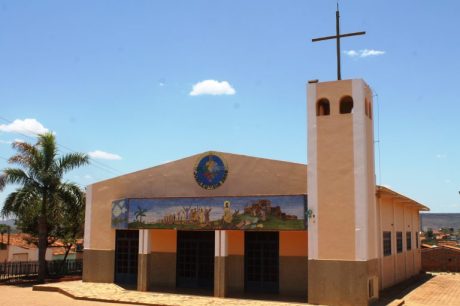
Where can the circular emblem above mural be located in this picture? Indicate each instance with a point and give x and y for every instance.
(210, 171)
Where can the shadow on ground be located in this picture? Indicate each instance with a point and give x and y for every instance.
(210, 293)
(29, 282)
(399, 291)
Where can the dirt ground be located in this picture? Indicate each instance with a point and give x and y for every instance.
(24, 296)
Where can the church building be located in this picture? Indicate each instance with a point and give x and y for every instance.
(231, 225)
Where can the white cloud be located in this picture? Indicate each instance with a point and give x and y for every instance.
(104, 155)
(363, 53)
(441, 156)
(30, 127)
(5, 141)
(371, 52)
(351, 53)
(212, 87)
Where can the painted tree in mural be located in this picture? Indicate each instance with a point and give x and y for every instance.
(140, 212)
(43, 194)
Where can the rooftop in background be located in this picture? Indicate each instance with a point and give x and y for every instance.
(25, 241)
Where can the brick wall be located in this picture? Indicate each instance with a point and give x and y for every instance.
(441, 259)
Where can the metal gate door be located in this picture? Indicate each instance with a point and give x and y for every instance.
(261, 261)
(195, 259)
(126, 253)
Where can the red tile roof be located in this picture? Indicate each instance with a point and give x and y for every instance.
(26, 241)
(20, 240)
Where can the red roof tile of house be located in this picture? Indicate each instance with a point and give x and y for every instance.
(20, 240)
(26, 241)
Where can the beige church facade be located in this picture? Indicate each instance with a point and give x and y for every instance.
(233, 225)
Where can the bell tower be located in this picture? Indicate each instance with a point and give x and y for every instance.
(342, 231)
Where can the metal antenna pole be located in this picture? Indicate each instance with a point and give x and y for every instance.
(337, 27)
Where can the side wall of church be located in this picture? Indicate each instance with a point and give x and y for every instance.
(403, 262)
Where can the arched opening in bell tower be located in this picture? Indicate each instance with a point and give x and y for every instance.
(346, 105)
(323, 107)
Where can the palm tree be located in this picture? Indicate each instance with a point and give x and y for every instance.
(42, 190)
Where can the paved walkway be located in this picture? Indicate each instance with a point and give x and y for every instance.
(439, 290)
(24, 296)
(113, 293)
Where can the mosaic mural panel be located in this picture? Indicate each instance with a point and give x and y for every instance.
(238, 213)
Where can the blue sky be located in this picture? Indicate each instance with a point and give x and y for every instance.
(117, 77)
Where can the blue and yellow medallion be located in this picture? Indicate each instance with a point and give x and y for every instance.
(210, 171)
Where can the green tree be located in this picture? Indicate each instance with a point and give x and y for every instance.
(66, 225)
(72, 220)
(445, 230)
(42, 190)
(430, 234)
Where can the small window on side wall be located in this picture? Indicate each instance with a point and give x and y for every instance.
(399, 242)
(323, 107)
(409, 241)
(386, 243)
(346, 105)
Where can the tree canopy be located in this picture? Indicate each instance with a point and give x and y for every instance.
(44, 203)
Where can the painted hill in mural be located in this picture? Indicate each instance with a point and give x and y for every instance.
(260, 214)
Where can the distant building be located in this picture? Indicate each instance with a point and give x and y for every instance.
(18, 247)
(441, 258)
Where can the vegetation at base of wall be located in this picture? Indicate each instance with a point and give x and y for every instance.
(44, 205)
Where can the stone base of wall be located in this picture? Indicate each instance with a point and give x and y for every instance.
(161, 271)
(336, 282)
(98, 266)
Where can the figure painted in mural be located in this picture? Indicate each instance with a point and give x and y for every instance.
(207, 211)
(228, 216)
(210, 170)
(187, 213)
(201, 216)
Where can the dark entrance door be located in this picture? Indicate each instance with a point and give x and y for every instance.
(126, 253)
(195, 260)
(261, 261)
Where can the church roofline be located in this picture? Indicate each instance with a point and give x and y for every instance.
(403, 199)
(196, 156)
